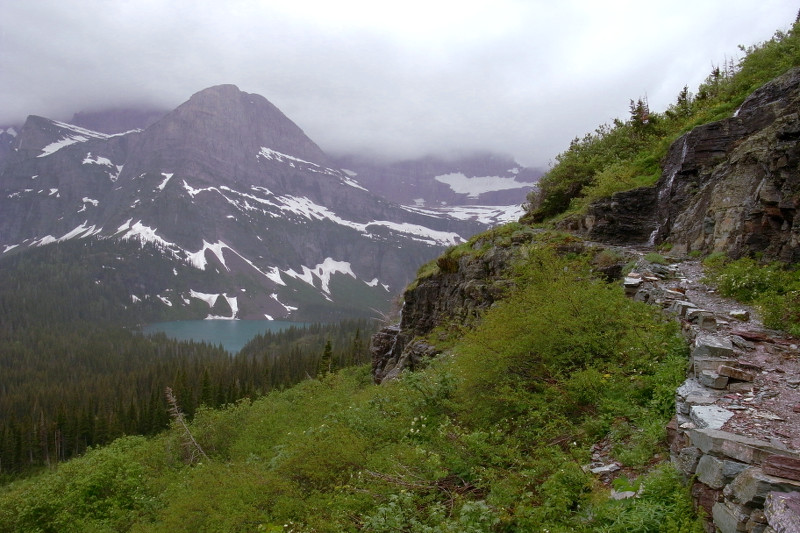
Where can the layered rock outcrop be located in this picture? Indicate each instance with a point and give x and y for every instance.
(730, 186)
(459, 289)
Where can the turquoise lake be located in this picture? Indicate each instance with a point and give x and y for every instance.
(231, 334)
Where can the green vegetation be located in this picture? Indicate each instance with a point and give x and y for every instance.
(773, 288)
(65, 389)
(626, 154)
(491, 436)
(73, 374)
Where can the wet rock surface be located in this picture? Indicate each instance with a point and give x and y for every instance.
(729, 186)
(737, 425)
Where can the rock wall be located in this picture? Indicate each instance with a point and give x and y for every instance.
(730, 186)
(460, 289)
(735, 434)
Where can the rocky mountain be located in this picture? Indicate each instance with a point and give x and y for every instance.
(730, 186)
(226, 184)
(437, 182)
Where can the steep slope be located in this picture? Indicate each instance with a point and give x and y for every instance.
(730, 186)
(225, 182)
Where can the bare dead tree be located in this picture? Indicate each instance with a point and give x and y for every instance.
(192, 450)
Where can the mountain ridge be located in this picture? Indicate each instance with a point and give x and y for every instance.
(226, 181)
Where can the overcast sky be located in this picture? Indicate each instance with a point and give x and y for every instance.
(400, 78)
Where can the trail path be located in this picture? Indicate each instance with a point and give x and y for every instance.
(766, 408)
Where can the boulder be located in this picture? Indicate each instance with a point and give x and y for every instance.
(782, 511)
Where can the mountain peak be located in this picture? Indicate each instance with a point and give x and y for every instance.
(224, 123)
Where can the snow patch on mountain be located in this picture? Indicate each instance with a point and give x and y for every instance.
(485, 214)
(474, 187)
(81, 231)
(167, 177)
(323, 271)
(198, 259)
(97, 160)
(288, 308)
(12, 132)
(208, 298)
(47, 239)
(375, 282)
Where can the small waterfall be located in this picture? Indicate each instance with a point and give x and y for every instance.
(666, 190)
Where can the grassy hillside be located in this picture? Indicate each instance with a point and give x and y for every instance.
(491, 437)
(627, 154)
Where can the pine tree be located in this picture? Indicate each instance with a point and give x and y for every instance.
(326, 359)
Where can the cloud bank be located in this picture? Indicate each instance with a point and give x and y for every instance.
(394, 79)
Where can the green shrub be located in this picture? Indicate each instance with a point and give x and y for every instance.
(656, 258)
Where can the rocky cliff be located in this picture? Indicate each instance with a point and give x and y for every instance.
(730, 186)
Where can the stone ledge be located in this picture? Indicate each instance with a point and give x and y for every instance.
(738, 447)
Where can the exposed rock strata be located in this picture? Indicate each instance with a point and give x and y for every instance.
(730, 186)
(466, 286)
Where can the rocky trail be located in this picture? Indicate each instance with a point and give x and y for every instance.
(737, 426)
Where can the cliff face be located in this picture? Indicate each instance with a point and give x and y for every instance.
(458, 291)
(731, 186)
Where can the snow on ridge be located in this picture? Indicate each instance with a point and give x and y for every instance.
(98, 160)
(323, 271)
(87, 200)
(208, 298)
(74, 134)
(485, 214)
(198, 259)
(10, 247)
(421, 233)
(144, 234)
(81, 231)
(474, 187)
(305, 207)
(83, 131)
(12, 132)
(268, 153)
(343, 175)
(288, 308)
(167, 177)
(194, 192)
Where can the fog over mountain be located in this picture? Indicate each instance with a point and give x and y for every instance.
(228, 186)
(403, 80)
